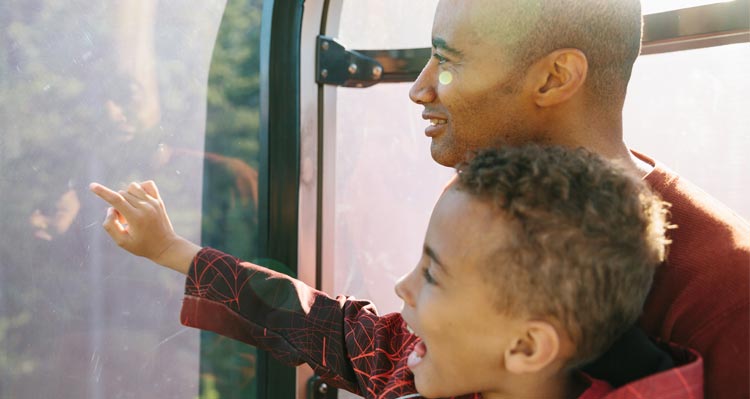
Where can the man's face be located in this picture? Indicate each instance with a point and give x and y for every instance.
(448, 302)
(470, 88)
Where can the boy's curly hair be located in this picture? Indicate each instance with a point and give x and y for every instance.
(585, 239)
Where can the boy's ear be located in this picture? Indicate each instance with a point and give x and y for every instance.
(535, 350)
(559, 76)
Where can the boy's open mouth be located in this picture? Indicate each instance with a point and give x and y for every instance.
(416, 355)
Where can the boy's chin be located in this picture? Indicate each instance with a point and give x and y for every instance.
(430, 387)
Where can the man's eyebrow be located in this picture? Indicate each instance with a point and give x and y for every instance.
(440, 43)
(431, 253)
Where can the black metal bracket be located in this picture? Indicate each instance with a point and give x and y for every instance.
(363, 68)
(317, 389)
(341, 67)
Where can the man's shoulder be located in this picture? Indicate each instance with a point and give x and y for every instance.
(693, 210)
(707, 271)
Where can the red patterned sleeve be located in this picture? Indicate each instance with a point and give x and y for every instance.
(344, 340)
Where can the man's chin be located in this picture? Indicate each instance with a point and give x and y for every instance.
(443, 157)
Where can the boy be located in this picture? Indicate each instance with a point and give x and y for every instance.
(535, 260)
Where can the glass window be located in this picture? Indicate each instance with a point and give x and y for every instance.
(386, 186)
(114, 92)
(386, 24)
(386, 181)
(688, 110)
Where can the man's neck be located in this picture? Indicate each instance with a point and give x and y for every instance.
(617, 152)
(600, 132)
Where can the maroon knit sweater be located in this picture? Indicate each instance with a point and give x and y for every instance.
(700, 297)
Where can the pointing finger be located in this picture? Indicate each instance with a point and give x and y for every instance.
(113, 198)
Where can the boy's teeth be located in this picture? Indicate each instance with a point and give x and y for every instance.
(435, 122)
(413, 359)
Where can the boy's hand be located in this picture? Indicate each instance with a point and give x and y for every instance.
(138, 222)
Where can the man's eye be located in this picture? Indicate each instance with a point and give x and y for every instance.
(441, 60)
(427, 276)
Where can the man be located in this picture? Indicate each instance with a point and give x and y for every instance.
(556, 72)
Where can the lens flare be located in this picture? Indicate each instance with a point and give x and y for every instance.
(445, 78)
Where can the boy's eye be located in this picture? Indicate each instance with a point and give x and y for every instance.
(427, 276)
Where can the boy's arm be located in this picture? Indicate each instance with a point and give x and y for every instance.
(138, 222)
(344, 340)
(276, 313)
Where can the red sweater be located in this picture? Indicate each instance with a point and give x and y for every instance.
(344, 340)
(700, 297)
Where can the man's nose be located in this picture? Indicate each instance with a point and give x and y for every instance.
(423, 89)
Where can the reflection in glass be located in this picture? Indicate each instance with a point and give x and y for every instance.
(113, 92)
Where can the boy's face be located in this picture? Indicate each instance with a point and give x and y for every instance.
(448, 301)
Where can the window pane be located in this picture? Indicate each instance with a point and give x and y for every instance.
(106, 91)
(689, 110)
(386, 186)
(386, 24)
(386, 181)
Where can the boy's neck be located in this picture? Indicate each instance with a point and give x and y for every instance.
(568, 385)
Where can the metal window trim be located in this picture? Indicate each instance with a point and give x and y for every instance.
(279, 167)
(327, 125)
(696, 27)
(313, 21)
(317, 137)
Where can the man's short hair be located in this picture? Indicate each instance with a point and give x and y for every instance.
(584, 239)
(607, 31)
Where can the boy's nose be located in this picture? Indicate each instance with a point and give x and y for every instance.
(404, 291)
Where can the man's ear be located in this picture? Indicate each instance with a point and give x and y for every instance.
(534, 350)
(559, 76)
